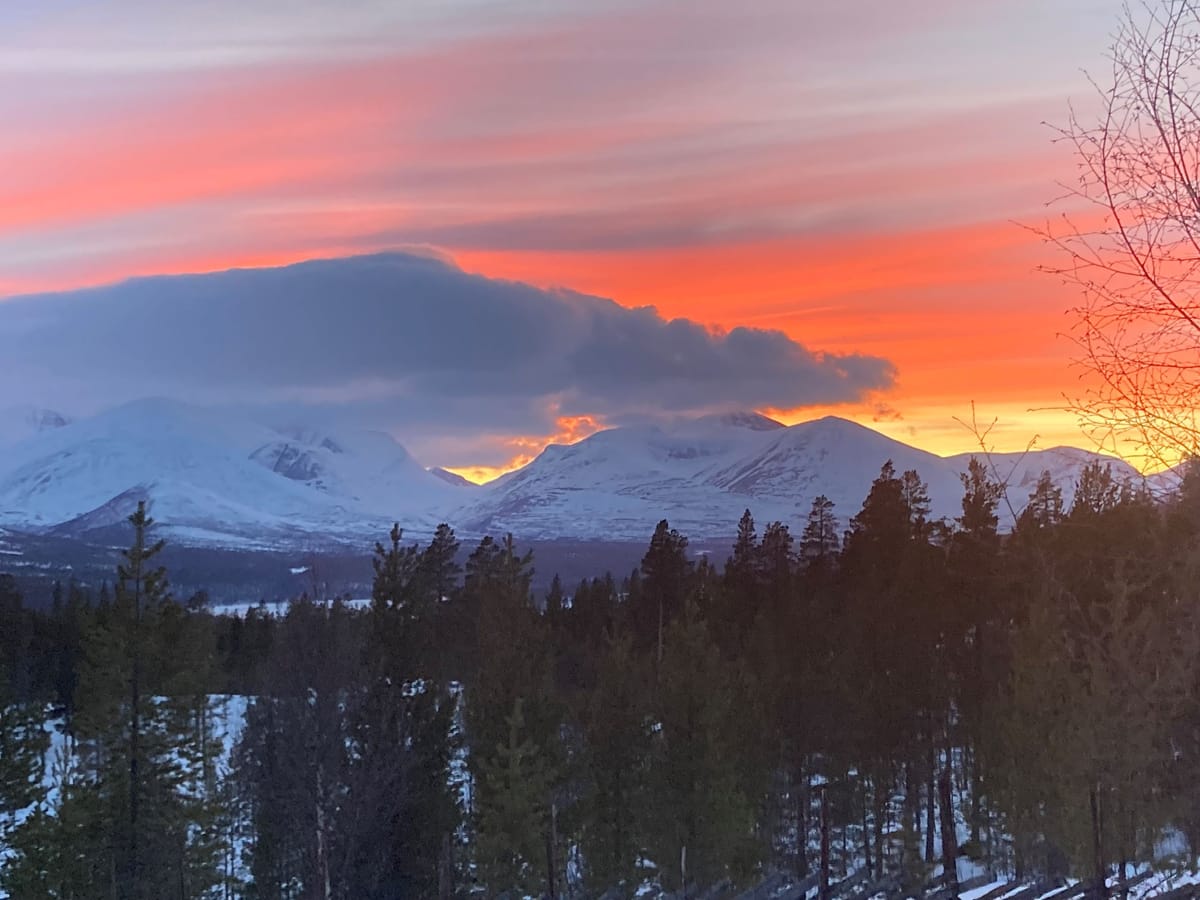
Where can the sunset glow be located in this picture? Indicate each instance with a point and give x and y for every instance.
(525, 448)
(861, 187)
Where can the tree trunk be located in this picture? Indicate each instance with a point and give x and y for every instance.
(322, 843)
(444, 885)
(824, 893)
(866, 833)
(135, 727)
(949, 838)
(802, 828)
(551, 844)
(976, 799)
(930, 796)
(1127, 838)
(881, 809)
(660, 633)
(1099, 885)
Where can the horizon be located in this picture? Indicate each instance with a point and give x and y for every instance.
(482, 478)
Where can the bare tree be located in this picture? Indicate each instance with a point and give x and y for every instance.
(1132, 237)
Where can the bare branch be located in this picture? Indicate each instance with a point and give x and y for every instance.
(1131, 239)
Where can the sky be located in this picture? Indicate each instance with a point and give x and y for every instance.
(822, 202)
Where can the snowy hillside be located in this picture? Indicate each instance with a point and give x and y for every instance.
(1021, 471)
(701, 475)
(215, 478)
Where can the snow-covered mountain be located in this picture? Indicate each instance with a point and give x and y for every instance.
(450, 477)
(701, 475)
(1021, 471)
(217, 478)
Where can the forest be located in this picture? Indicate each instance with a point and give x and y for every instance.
(878, 694)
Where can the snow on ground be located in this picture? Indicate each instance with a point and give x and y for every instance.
(228, 717)
(978, 892)
(276, 608)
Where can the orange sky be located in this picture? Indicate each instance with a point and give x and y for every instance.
(782, 166)
(962, 312)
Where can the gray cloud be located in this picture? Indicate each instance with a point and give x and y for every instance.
(402, 341)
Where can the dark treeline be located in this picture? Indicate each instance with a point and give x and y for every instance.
(853, 688)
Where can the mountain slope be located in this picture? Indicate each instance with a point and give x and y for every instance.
(701, 475)
(212, 478)
(1021, 471)
(216, 478)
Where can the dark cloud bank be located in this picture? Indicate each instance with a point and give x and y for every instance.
(404, 340)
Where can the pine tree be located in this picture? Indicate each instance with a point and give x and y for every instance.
(665, 573)
(1096, 664)
(513, 683)
(397, 812)
(741, 589)
(23, 745)
(616, 732)
(513, 810)
(132, 814)
(294, 754)
(439, 562)
(976, 632)
(399, 600)
(819, 541)
(777, 570)
(1045, 506)
(916, 498)
(697, 777)
(881, 530)
(1096, 492)
(980, 498)
(23, 739)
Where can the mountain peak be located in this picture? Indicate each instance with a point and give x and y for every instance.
(748, 419)
(20, 422)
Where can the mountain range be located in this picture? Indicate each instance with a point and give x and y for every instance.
(219, 479)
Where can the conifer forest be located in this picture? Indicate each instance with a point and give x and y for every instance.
(879, 702)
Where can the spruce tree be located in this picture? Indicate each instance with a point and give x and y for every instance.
(665, 574)
(131, 817)
(512, 713)
(398, 811)
(741, 588)
(1045, 505)
(819, 541)
(513, 810)
(698, 802)
(617, 735)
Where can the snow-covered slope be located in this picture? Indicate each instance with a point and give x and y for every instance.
(365, 468)
(701, 475)
(450, 477)
(214, 478)
(1021, 471)
(616, 484)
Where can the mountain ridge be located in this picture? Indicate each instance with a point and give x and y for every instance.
(219, 478)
